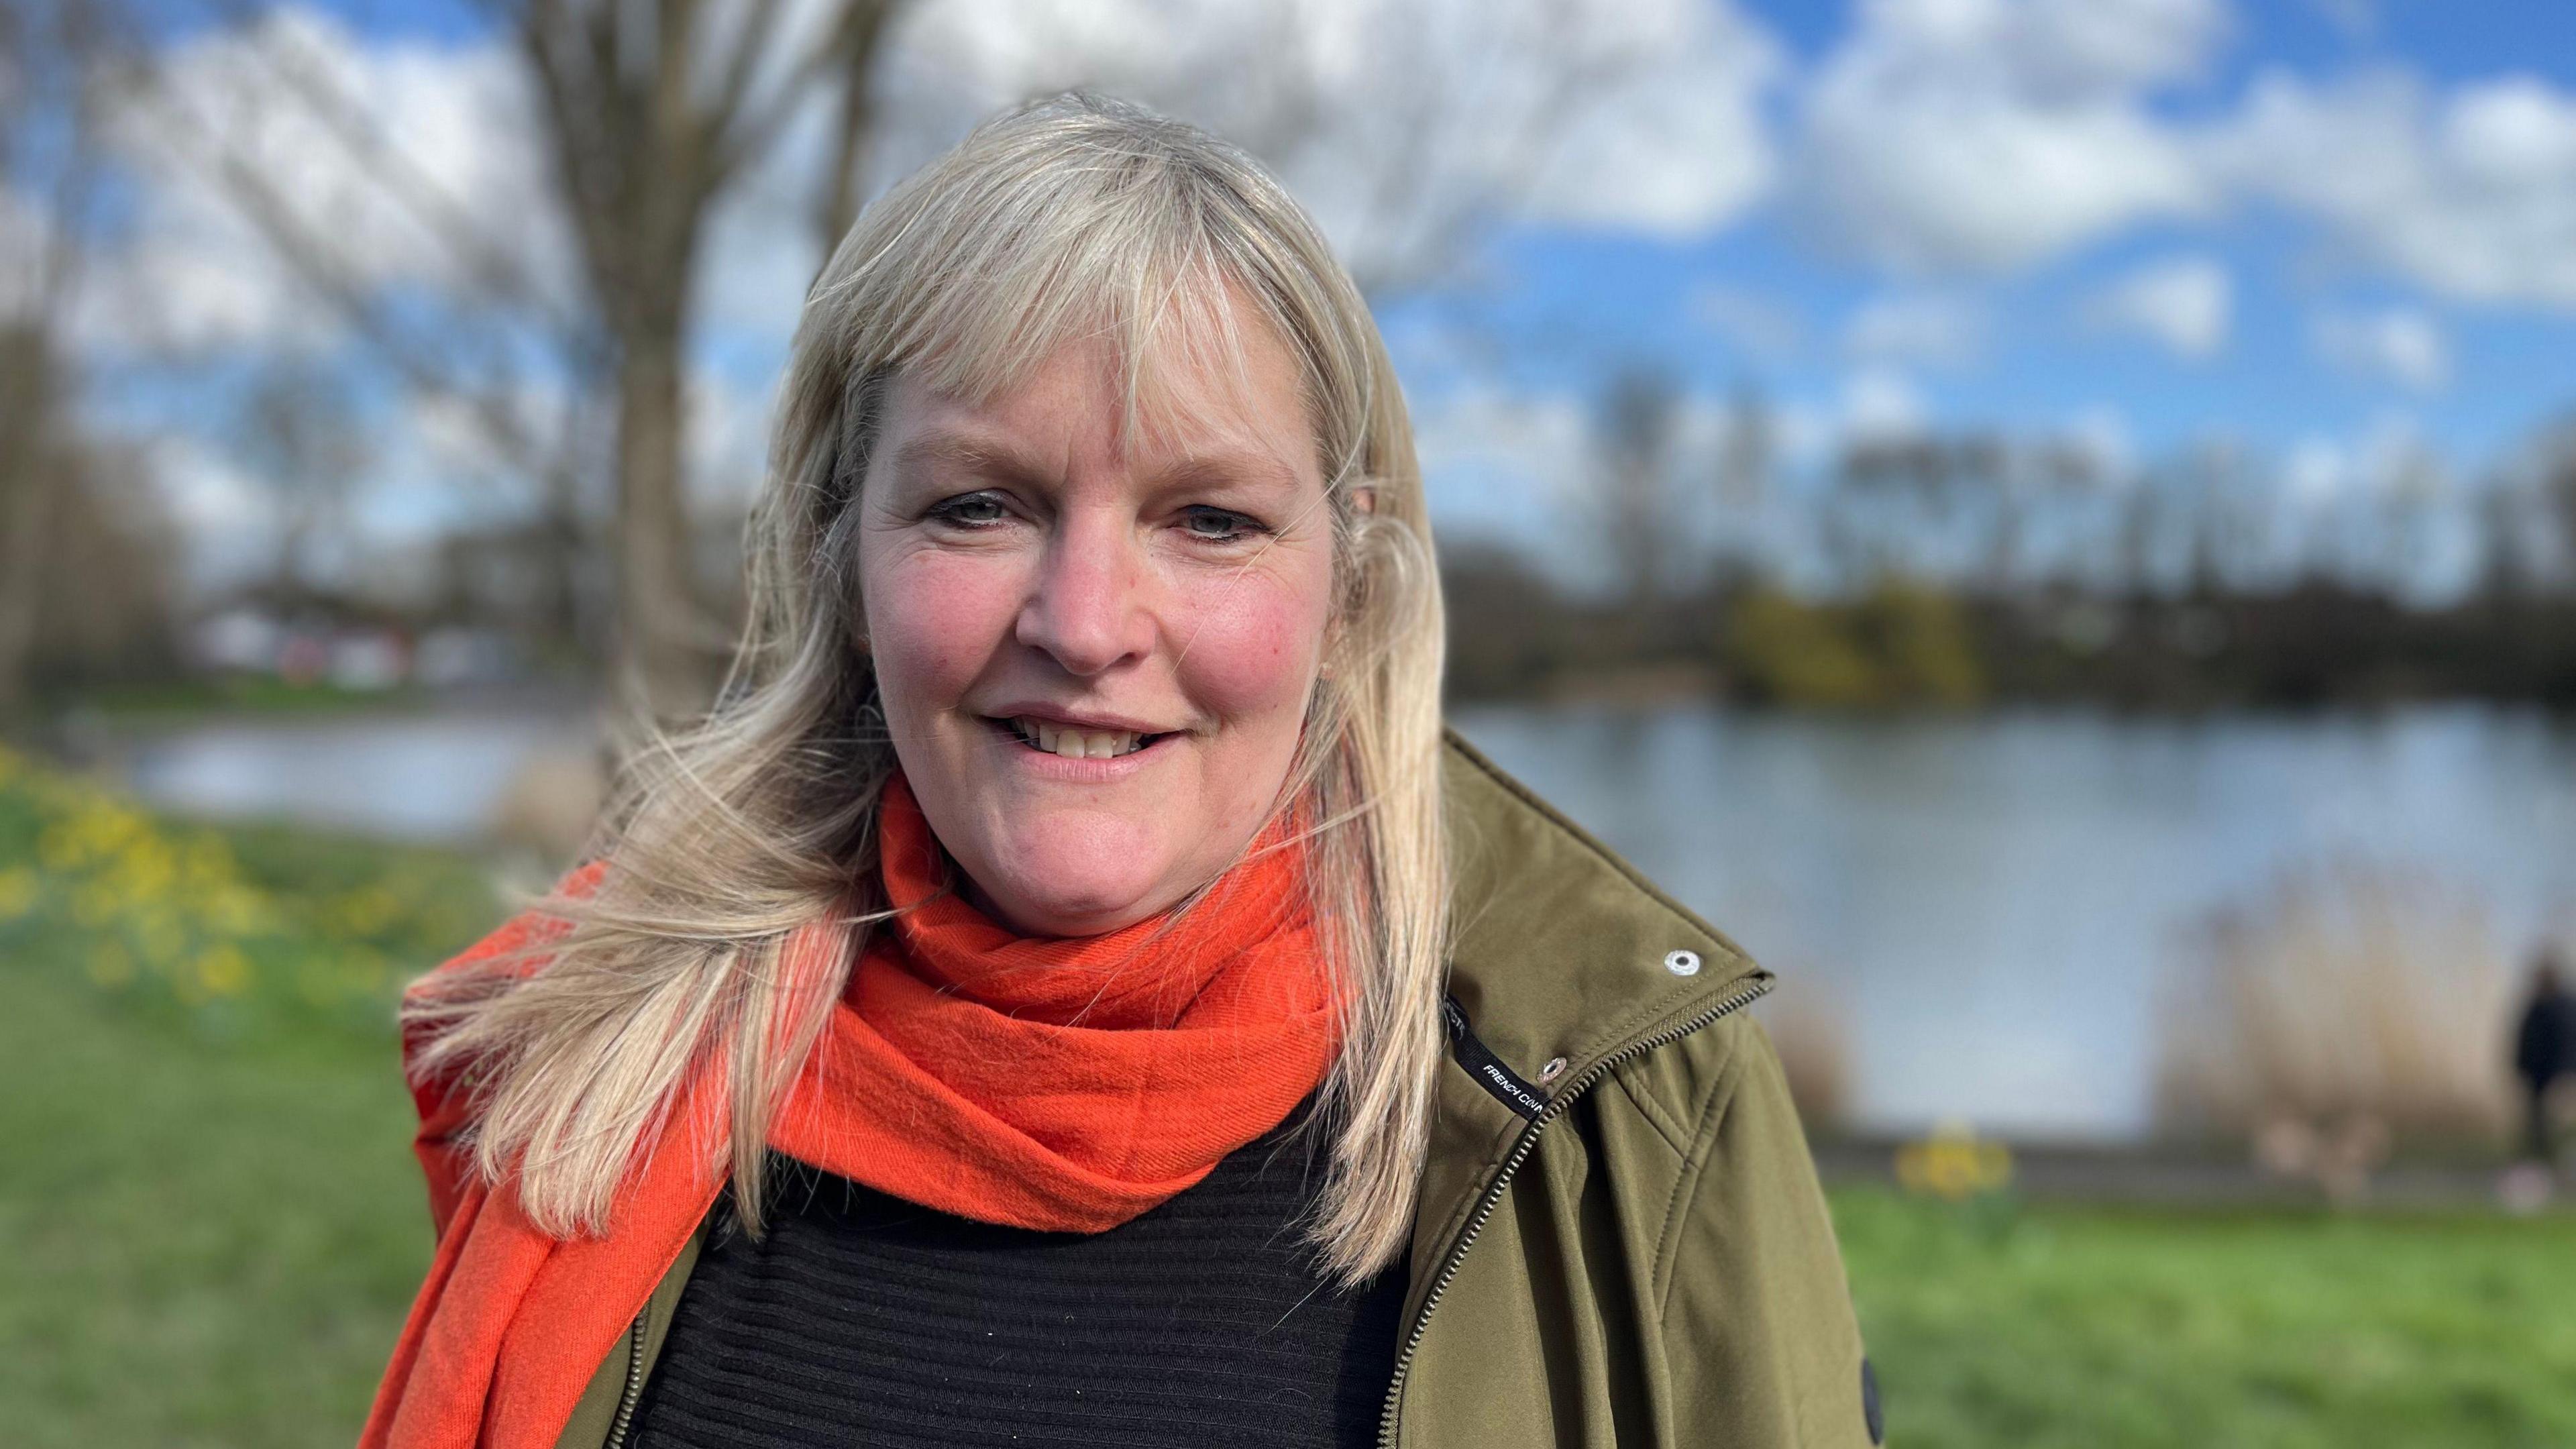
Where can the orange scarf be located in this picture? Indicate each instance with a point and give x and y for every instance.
(1065, 1085)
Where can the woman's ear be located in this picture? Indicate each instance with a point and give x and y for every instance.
(1364, 498)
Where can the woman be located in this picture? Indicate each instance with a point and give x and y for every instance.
(1071, 991)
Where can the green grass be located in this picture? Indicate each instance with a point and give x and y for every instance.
(212, 1217)
(214, 1224)
(184, 698)
(2102, 1328)
(211, 1242)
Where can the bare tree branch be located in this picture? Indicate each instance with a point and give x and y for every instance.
(321, 266)
(486, 262)
(752, 39)
(842, 184)
(844, 51)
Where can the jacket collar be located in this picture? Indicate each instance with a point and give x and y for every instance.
(1560, 950)
(1558, 946)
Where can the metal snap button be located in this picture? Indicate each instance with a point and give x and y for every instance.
(1682, 963)
(1554, 1069)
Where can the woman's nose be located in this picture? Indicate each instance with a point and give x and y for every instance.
(1089, 609)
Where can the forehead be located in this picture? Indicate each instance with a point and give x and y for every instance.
(1205, 378)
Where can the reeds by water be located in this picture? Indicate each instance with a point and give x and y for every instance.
(2343, 1000)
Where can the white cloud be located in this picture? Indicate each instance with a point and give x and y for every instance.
(438, 145)
(2185, 303)
(227, 519)
(458, 437)
(1680, 147)
(1881, 402)
(206, 492)
(1928, 329)
(1510, 467)
(1393, 122)
(2470, 194)
(1489, 454)
(196, 287)
(1987, 135)
(2317, 470)
(2400, 345)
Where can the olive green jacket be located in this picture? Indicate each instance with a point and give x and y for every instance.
(1620, 1240)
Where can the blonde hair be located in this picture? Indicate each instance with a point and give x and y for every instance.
(741, 880)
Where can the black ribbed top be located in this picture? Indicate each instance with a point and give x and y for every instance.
(862, 1319)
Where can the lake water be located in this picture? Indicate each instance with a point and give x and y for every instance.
(435, 777)
(1990, 901)
(1987, 901)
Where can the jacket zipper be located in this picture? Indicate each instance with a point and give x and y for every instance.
(634, 1382)
(1493, 1193)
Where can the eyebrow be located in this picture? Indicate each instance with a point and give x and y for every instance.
(1227, 467)
(974, 454)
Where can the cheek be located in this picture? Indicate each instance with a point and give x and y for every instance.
(934, 622)
(1255, 643)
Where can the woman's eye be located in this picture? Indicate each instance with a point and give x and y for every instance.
(1218, 525)
(970, 510)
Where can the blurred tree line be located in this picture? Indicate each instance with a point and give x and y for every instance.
(1917, 568)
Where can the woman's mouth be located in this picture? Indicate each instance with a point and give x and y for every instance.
(1050, 738)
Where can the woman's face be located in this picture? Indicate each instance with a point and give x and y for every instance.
(1095, 652)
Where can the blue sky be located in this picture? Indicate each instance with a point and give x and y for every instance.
(1572, 303)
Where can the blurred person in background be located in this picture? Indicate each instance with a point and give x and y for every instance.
(1073, 990)
(2544, 1051)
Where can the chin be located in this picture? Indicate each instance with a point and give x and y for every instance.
(1076, 883)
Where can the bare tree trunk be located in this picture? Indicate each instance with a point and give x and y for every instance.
(662, 632)
(27, 475)
(563, 539)
(654, 113)
(48, 55)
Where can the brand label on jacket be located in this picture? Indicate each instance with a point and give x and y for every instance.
(1507, 1086)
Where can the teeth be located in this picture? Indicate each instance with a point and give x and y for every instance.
(1074, 744)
